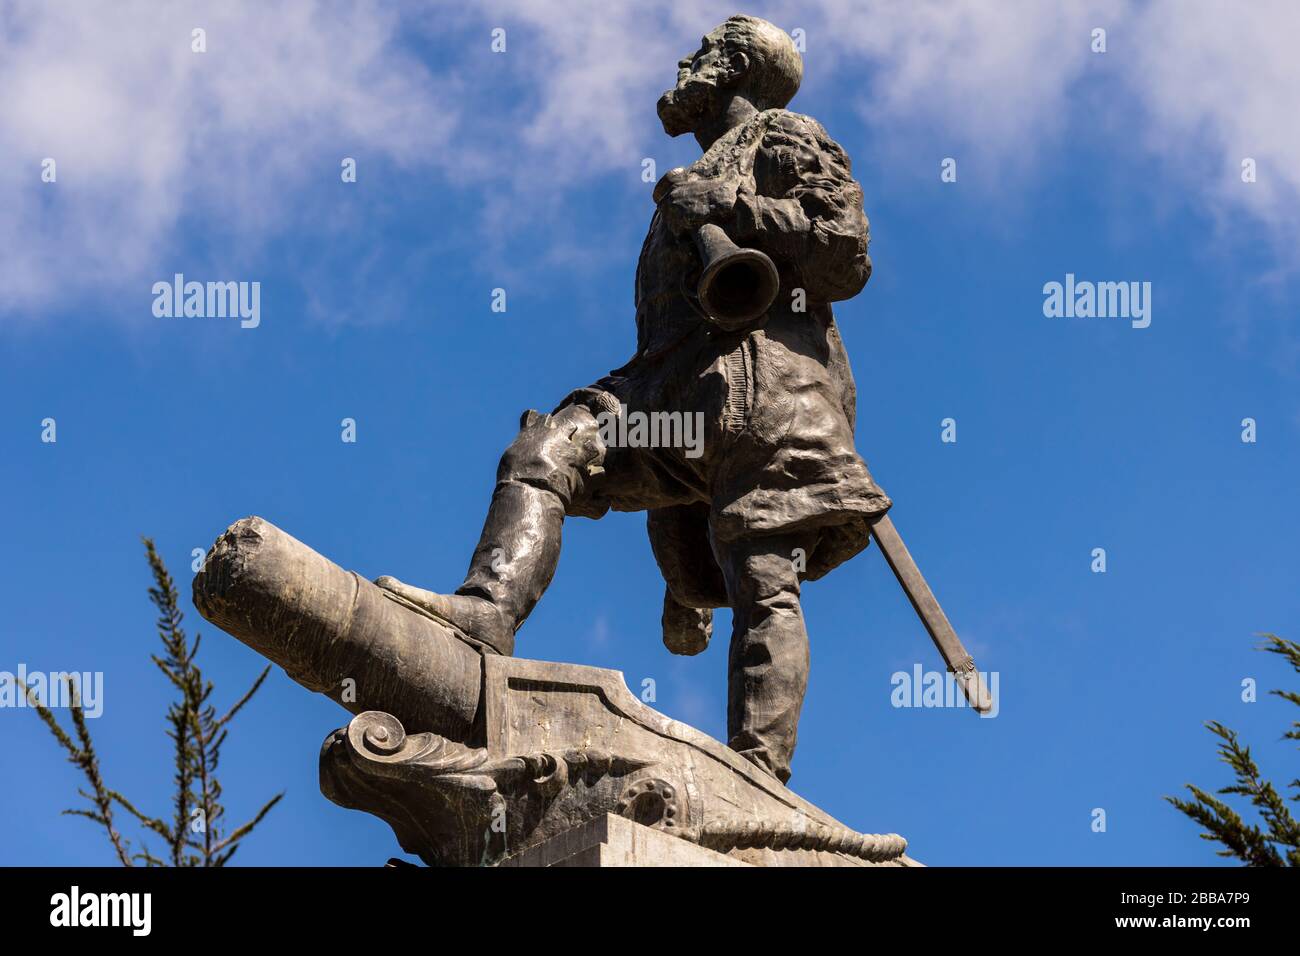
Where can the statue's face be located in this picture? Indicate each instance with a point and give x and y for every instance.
(699, 77)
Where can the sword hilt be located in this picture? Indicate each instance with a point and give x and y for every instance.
(972, 686)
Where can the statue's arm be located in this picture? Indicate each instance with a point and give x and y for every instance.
(806, 208)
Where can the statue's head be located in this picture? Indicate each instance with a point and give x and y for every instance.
(745, 56)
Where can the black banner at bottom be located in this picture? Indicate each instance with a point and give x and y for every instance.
(340, 906)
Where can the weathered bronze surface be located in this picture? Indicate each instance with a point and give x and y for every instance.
(475, 756)
(747, 248)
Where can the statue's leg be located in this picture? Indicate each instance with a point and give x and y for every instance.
(768, 661)
(539, 475)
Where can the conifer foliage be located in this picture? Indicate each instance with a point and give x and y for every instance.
(196, 833)
(1278, 842)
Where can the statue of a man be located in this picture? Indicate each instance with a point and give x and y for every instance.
(777, 494)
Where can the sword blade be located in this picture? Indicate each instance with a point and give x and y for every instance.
(931, 614)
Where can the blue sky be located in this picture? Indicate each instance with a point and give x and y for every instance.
(522, 170)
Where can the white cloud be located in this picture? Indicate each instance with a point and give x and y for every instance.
(150, 137)
(992, 77)
(147, 133)
(1221, 84)
(1195, 83)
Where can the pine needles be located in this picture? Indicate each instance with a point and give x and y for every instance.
(196, 834)
(1278, 843)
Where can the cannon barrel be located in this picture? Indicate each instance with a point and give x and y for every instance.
(336, 633)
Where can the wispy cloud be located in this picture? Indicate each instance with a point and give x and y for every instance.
(1220, 84)
(152, 139)
(148, 135)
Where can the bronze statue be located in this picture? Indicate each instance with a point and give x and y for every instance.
(477, 757)
(747, 248)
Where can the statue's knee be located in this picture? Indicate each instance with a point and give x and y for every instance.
(767, 572)
(557, 452)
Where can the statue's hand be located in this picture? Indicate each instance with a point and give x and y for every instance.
(690, 205)
(686, 630)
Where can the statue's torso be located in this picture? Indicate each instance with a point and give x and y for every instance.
(778, 398)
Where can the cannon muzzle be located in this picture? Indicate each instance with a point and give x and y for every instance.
(336, 633)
